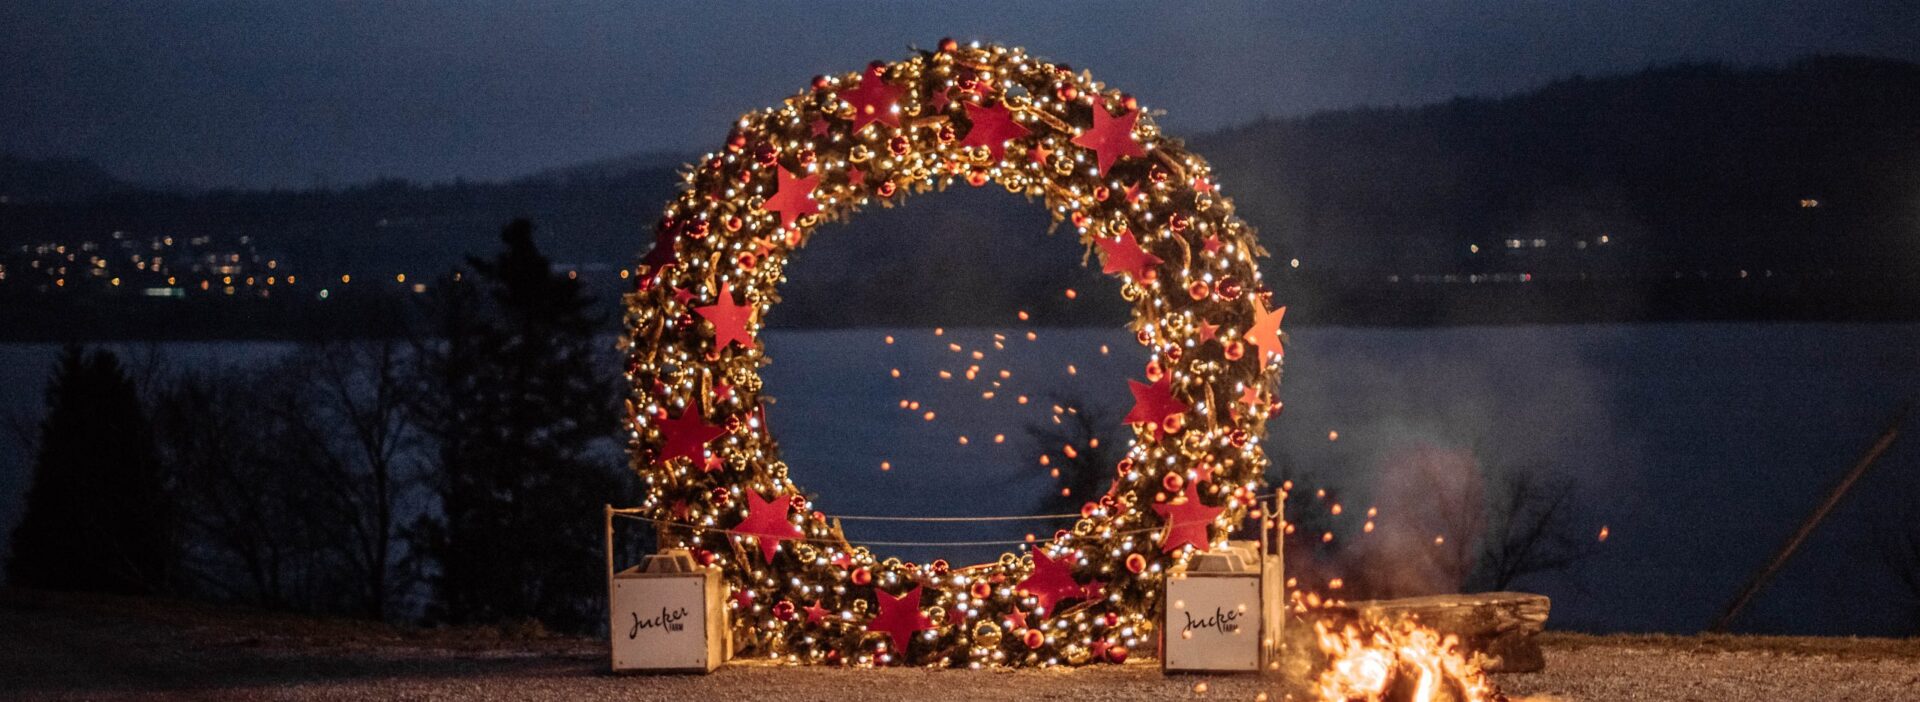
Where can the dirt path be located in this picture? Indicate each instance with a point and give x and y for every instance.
(60, 647)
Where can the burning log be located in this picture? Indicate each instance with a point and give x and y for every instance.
(1500, 626)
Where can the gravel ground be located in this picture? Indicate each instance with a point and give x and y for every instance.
(66, 647)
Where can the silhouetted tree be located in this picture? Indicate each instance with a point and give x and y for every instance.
(97, 516)
(245, 537)
(524, 421)
(1072, 442)
(1532, 527)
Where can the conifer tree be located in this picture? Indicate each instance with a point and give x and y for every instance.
(97, 516)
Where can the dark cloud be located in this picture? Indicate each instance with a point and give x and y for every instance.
(289, 93)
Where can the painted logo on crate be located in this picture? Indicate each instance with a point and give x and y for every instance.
(667, 621)
(1222, 622)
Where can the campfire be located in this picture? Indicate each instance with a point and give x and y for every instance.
(1402, 662)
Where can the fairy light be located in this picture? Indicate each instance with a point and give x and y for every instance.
(732, 228)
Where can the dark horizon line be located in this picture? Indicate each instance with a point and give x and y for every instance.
(677, 160)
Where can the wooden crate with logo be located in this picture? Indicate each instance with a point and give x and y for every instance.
(667, 615)
(1223, 610)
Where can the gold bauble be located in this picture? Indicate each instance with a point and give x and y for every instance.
(1077, 654)
(986, 634)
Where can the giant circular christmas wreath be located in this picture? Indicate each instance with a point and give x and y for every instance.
(713, 476)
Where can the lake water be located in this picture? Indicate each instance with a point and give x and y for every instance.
(1699, 446)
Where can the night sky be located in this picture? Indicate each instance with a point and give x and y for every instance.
(299, 93)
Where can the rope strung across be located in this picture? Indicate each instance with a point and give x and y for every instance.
(1152, 212)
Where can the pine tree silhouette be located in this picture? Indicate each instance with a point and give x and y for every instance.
(97, 517)
(524, 419)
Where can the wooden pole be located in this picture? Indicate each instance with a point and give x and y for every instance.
(1813, 520)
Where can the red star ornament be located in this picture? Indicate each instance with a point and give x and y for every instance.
(899, 617)
(1252, 396)
(686, 436)
(793, 197)
(1212, 244)
(1051, 581)
(1187, 520)
(1110, 138)
(874, 100)
(1038, 154)
(729, 319)
(1208, 331)
(1123, 254)
(666, 248)
(816, 614)
(1266, 330)
(993, 127)
(1153, 403)
(767, 523)
(820, 127)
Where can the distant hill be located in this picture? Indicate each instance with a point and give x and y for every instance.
(1689, 168)
(1680, 192)
(610, 168)
(73, 180)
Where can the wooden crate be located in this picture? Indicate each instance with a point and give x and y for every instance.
(667, 616)
(1223, 611)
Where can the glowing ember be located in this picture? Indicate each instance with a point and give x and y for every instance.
(1404, 662)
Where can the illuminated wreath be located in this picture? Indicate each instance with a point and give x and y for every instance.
(712, 472)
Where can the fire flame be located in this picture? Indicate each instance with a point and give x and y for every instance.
(1404, 662)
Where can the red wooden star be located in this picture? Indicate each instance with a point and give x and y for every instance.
(1110, 138)
(816, 614)
(682, 295)
(855, 176)
(1212, 244)
(1266, 330)
(1133, 193)
(1187, 520)
(680, 511)
(992, 127)
(1123, 253)
(1153, 403)
(1051, 581)
(1208, 331)
(1038, 154)
(899, 617)
(941, 100)
(767, 523)
(729, 319)
(666, 247)
(686, 436)
(1252, 396)
(793, 197)
(874, 100)
(1016, 619)
(820, 127)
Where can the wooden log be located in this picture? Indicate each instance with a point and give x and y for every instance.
(1498, 625)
